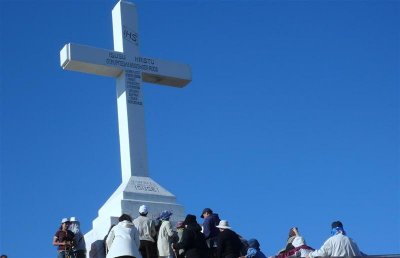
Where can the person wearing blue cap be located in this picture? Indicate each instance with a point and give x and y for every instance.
(210, 230)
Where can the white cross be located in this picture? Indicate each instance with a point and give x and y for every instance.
(129, 69)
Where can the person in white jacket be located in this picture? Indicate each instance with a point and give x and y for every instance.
(164, 235)
(338, 245)
(123, 239)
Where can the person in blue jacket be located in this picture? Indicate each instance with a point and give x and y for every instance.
(254, 250)
(210, 230)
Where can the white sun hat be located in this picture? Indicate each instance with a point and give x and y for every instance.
(223, 224)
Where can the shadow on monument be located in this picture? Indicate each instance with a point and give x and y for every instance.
(97, 249)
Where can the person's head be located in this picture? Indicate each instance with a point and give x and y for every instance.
(336, 224)
(64, 224)
(223, 224)
(206, 212)
(165, 215)
(180, 225)
(190, 220)
(143, 210)
(73, 220)
(253, 243)
(293, 232)
(337, 227)
(3, 256)
(125, 217)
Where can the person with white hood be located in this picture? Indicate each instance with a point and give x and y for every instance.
(296, 246)
(79, 247)
(338, 245)
(300, 247)
(123, 239)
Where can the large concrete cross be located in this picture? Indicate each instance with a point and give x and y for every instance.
(130, 70)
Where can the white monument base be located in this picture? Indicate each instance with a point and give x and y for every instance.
(127, 199)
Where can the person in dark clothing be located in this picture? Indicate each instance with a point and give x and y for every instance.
(210, 230)
(229, 244)
(193, 241)
(63, 239)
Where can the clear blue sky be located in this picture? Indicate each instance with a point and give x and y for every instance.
(292, 118)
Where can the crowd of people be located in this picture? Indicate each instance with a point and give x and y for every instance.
(143, 237)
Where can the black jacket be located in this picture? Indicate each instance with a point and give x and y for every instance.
(229, 244)
(193, 242)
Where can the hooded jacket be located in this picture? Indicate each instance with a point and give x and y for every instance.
(254, 250)
(123, 239)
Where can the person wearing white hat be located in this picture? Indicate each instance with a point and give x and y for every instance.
(228, 243)
(79, 248)
(147, 233)
(63, 239)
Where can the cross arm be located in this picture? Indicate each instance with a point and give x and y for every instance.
(87, 59)
(166, 72)
(99, 61)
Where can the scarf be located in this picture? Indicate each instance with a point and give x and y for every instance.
(337, 230)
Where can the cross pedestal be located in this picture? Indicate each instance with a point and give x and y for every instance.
(130, 69)
(127, 199)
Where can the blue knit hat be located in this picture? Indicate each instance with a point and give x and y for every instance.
(165, 215)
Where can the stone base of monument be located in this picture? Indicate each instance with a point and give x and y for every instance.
(127, 199)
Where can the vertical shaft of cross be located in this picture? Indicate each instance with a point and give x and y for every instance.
(131, 122)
